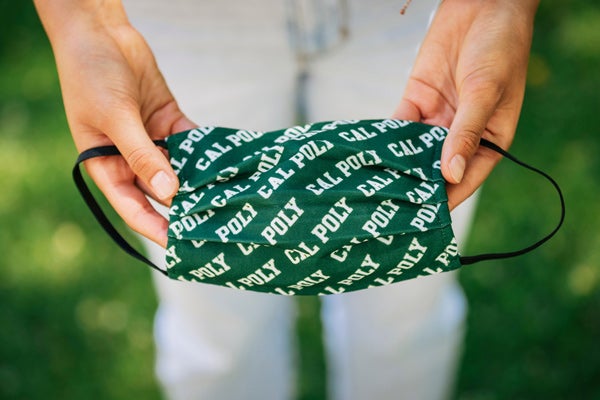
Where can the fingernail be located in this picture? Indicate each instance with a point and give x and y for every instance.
(457, 167)
(162, 185)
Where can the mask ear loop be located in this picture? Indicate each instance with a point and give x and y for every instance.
(95, 208)
(466, 260)
(103, 220)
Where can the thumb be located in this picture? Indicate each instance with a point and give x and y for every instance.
(473, 113)
(144, 158)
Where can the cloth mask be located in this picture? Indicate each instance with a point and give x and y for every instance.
(318, 209)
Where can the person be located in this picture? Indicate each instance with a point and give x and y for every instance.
(231, 64)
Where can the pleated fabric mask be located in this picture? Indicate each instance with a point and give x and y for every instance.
(325, 208)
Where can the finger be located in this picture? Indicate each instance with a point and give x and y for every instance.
(143, 157)
(127, 199)
(183, 124)
(148, 192)
(425, 103)
(480, 166)
(168, 119)
(407, 110)
(475, 108)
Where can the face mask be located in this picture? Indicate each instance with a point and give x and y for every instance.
(325, 208)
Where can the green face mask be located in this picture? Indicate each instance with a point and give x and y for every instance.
(325, 208)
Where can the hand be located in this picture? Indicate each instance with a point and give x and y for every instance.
(114, 93)
(470, 75)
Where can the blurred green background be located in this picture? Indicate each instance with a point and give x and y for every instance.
(76, 313)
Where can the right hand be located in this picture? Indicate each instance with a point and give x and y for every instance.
(470, 76)
(114, 94)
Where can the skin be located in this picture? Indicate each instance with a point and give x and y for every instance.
(469, 75)
(114, 94)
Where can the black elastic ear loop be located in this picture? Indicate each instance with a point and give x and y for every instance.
(103, 220)
(496, 256)
(95, 208)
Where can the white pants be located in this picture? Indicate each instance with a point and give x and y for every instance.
(229, 63)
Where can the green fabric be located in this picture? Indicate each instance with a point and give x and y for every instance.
(318, 209)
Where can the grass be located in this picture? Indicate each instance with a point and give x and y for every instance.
(76, 314)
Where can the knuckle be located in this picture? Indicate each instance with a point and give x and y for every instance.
(485, 87)
(141, 161)
(127, 36)
(469, 140)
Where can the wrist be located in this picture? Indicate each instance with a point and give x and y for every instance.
(64, 19)
(528, 8)
(525, 8)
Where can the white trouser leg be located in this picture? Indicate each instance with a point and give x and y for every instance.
(228, 64)
(396, 342)
(401, 341)
(364, 77)
(217, 343)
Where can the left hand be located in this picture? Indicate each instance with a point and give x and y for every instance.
(114, 93)
(470, 75)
